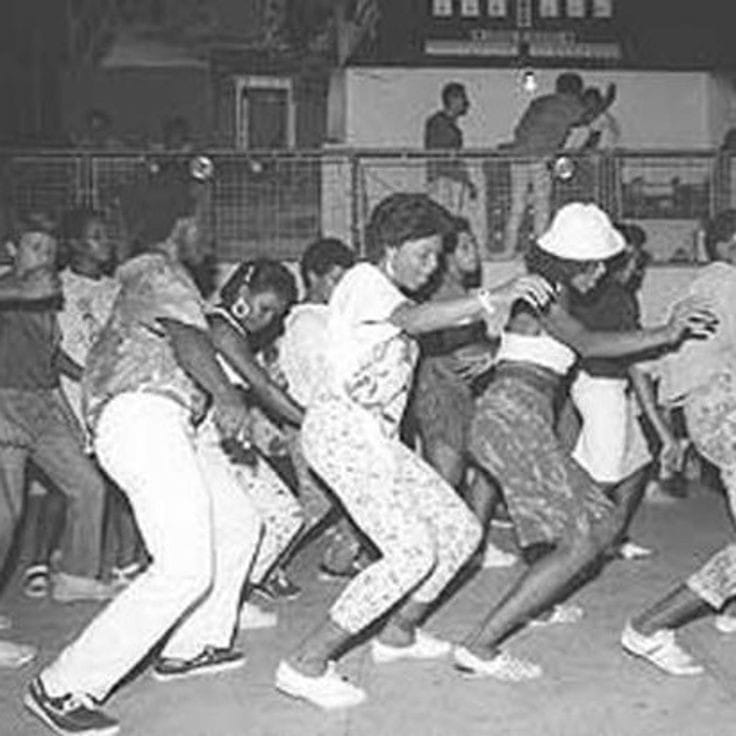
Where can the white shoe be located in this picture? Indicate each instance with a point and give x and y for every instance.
(14, 655)
(725, 623)
(495, 557)
(503, 666)
(662, 650)
(424, 647)
(562, 613)
(68, 588)
(629, 550)
(251, 617)
(5, 622)
(329, 691)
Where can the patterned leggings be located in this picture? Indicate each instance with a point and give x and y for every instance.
(710, 413)
(423, 530)
(280, 513)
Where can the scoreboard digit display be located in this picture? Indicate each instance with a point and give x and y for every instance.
(564, 30)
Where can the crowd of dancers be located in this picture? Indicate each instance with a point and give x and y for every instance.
(410, 406)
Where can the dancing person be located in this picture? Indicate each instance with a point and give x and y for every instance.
(36, 424)
(37, 284)
(302, 361)
(563, 520)
(257, 295)
(146, 386)
(611, 445)
(422, 529)
(443, 400)
(701, 378)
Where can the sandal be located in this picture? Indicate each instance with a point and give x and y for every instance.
(37, 581)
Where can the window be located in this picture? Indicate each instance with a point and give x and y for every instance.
(470, 8)
(549, 8)
(498, 8)
(576, 8)
(603, 8)
(442, 8)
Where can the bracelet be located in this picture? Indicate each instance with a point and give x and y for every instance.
(486, 300)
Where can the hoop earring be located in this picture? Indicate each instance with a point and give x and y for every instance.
(240, 308)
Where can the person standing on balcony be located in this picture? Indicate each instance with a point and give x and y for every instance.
(543, 129)
(448, 180)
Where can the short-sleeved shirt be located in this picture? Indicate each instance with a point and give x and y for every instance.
(614, 308)
(87, 305)
(302, 350)
(370, 361)
(441, 132)
(546, 123)
(133, 352)
(29, 344)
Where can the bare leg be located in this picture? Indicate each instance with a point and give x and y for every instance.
(676, 608)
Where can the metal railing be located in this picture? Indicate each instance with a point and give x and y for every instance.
(274, 202)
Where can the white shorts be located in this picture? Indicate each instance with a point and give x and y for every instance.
(611, 445)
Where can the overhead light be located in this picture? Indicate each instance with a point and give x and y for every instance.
(529, 81)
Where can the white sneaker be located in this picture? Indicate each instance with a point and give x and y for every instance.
(495, 557)
(251, 617)
(329, 691)
(14, 655)
(629, 550)
(725, 623)
(5, 622)
(424, 647)
(503, 666)
(68, 588)
(662, 650)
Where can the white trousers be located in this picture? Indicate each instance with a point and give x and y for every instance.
(202, 533)
(611, 445)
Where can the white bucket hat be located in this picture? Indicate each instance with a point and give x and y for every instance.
(582, 232)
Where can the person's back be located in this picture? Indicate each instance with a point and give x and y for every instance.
(546, 123)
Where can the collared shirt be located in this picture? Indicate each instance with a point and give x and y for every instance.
(546, 123)
(133, 352)
(87, 305)
(441, 132)
(29, 343)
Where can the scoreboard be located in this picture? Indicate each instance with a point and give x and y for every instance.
(564, 30)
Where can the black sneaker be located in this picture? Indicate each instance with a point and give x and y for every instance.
(69, 715)
(210, 661)
(278, 587)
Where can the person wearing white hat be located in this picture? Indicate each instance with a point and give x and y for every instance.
(563, 519)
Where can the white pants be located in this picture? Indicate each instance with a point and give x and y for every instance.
(611, 445)
(202, 533)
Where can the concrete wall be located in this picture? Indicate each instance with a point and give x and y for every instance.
(387, 106)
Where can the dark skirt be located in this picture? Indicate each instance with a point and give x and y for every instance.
(443, 405)
(548, 495)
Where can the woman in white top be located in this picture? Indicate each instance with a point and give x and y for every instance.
(423, 530)
(563, 520)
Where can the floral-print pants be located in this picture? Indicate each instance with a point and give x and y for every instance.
(710, 413)
(425, 533)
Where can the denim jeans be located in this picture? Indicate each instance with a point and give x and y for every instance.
(37, 426)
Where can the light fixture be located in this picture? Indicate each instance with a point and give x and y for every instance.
(529, 81)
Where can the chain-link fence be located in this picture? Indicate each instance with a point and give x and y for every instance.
(274, 202)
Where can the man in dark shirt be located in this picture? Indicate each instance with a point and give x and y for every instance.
(541, 131)
(36, 423)
(447, 178)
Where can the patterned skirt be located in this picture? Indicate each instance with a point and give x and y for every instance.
(548, 495)
(443, 405)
